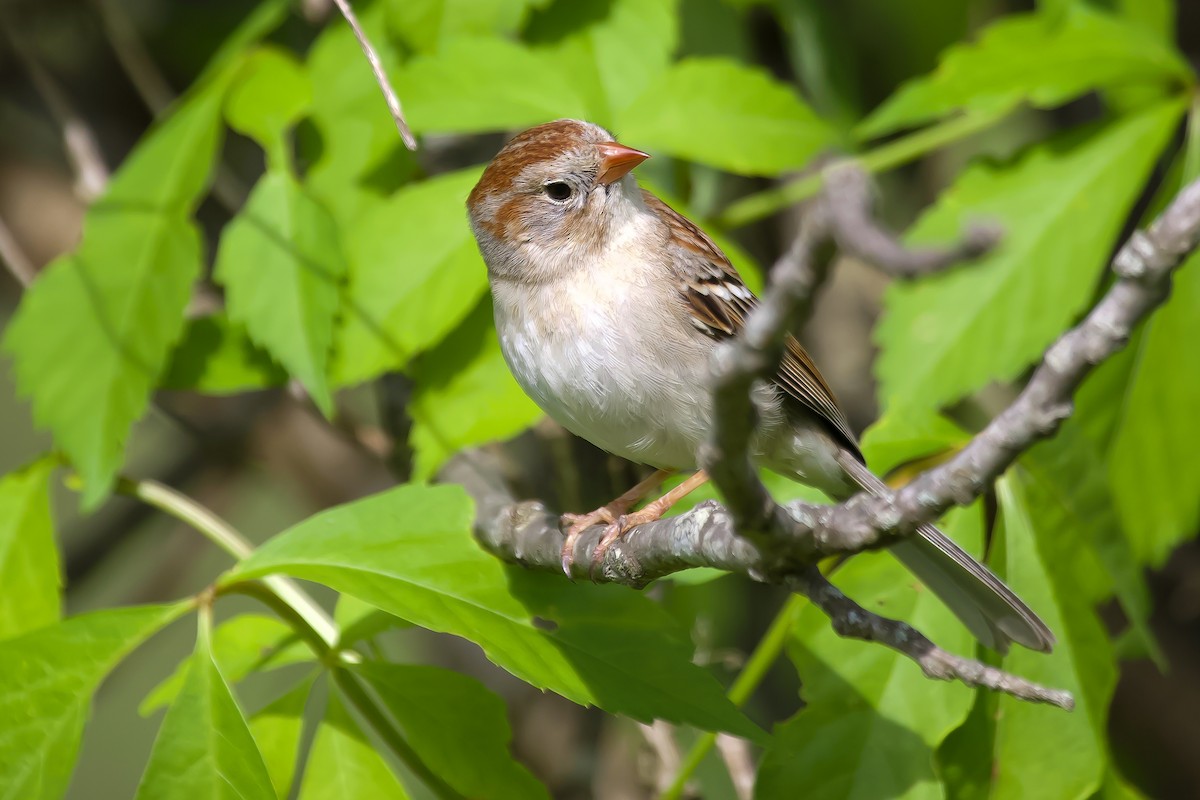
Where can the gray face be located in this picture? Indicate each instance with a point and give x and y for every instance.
(539, 203)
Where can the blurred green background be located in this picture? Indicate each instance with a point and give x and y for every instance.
(264, 461)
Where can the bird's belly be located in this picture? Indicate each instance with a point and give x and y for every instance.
(607, 384)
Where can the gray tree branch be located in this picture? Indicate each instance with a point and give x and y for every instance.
(780, 544)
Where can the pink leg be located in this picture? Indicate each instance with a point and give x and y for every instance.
(607, 514)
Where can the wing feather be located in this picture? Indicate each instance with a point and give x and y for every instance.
(719, 302)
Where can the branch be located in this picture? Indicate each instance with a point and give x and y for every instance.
(852, 621)
(528, 534)
(389, 94)
(854, 228)
(781, 544)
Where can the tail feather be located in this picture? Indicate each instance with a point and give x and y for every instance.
(989, 609)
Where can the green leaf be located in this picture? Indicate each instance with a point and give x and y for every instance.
(277, 729)
(1081, 51)
(1137, 407)
(438, 710)
(93, 333)
(30, 581)
(426, 25)
(902, 435)
(281, 262)
(872, 719)
(1038, 748)
(260, 21)
(169, 170)
(1062, 204)
(465, 395)
(1155, 16)
(1152, 463)
(358, 620)
(725, 114)
(216, 357)
(477, 84)
(47, 678)
(343, 763)
(608, 59)
(409, 551)
(204, 748)
(244, 644)
(1071, 494)
(415, 274)
(270, 93)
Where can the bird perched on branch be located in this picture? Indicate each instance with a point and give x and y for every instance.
(609, 304)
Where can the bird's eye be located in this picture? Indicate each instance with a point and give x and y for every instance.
(558, 191)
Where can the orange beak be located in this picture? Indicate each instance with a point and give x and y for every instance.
(616, 160)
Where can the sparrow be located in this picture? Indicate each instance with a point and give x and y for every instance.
(608, 306)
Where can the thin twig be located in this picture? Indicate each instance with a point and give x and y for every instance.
(157, 95)
(854, 227)
(660, 736)
(225, 536)
(851, 620)
(133, 57)
(735, 753)
(79, 142)
(18, 263)
(389, 94)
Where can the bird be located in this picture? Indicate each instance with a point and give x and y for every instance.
(608, 305)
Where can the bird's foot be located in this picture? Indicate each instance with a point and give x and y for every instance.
(578, 523)
(621, 526)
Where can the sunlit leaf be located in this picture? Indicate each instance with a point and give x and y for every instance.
(246, 643)
(270, 92)
(29, 574)
(93, 333)
(409, 551)
(438, 710)
(281, 262)
(872, 720)
(415, 274)
(725, 114)
(485, 84)
(47, 678)
(608, 52)
(1061, 205)
(204, 748)
(1038, 58)
(425, 25)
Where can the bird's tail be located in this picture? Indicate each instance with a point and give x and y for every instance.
(992, 612)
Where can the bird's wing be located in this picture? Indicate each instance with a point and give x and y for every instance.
(718, 302)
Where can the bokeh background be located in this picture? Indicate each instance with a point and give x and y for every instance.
(264, 460)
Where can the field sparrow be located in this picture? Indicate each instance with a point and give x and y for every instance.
(608, 306)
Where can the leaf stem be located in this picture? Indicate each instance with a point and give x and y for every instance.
(225, 536)
(764, 655)
(895, 153)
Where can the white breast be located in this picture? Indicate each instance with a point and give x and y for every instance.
(622, 374)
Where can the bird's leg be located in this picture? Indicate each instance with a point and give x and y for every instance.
(607, 514)
(652, 511)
